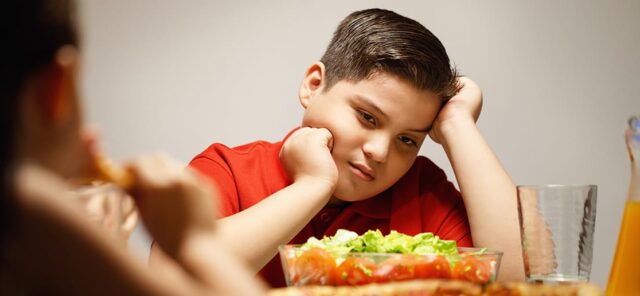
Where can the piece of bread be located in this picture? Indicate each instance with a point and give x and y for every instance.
(522, 289)
(442, 288)
(111, 172)
(407, 288)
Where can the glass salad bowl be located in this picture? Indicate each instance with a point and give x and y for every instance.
(347, 259)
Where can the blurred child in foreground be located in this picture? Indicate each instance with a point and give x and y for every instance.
(48, 244)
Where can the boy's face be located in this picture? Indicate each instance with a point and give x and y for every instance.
(378, 125)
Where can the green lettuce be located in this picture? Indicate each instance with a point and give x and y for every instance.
(373, 241)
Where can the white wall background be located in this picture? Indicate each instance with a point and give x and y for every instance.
(559, 77)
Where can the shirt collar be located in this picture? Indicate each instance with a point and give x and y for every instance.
(377, 207)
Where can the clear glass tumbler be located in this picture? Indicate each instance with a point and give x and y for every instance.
(556, 226)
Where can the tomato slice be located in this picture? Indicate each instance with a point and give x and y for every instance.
(435, 267)
(314, 267)
(396, 268)
(355, 271)
(471, 269)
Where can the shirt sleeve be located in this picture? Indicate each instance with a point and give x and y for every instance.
(456, 226)
(216, 170)
(446, 211)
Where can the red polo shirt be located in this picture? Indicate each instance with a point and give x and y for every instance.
(421, 201)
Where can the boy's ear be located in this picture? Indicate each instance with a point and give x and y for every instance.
(57, 91)
(312, 83)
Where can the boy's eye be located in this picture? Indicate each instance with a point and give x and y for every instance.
(408, 141)
(368, 118)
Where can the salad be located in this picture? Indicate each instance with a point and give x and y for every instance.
(351, 259)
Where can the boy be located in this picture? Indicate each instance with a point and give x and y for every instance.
(383, 85)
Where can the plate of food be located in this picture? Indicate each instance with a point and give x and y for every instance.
(349, 259)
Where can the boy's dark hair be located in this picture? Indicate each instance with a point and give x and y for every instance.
(31, 31)
(376, 40)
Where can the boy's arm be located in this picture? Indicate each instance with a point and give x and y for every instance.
(255, 233)
(488, 192)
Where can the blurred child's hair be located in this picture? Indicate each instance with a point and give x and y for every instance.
(32, 31)
(373, 41)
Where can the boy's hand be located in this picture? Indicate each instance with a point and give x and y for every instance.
(174, 203)
(465, 105)
(306, 155)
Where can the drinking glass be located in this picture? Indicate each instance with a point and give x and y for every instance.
(556, 227)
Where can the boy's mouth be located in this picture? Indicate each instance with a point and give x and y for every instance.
(362, 171)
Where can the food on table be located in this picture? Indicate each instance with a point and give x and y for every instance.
(533, 289)
(442, 288)
(111, 172)
(415, 288)
(315, 266)
(348, 259)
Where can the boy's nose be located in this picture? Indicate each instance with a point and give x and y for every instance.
(377, 148)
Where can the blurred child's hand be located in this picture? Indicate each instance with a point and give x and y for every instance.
(174, 203)
(109, 207)
(306, 155)
(464, 106)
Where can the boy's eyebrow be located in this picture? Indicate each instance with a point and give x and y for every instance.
(368, 102)
(423, 130)
(371, 104)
